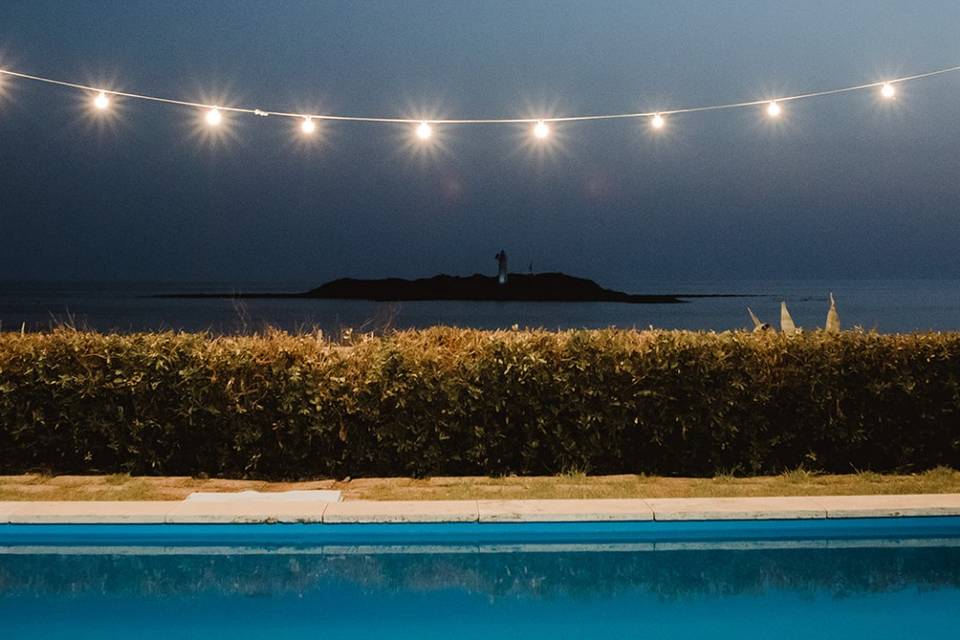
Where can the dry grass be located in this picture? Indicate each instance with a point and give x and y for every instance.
(575, 485)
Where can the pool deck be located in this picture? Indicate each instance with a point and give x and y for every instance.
(482, 511)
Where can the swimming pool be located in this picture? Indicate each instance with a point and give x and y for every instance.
(871, 578)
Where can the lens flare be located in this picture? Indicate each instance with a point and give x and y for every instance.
(541, 130)
(308, 126)
(657, 121)
(888, 91)
(424, 130)
(773, 109)
(102, 101)
(214, 117)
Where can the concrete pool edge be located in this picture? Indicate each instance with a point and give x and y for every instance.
(484, 511)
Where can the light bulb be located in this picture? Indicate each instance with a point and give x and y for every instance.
(888, 91)
(541, 129)
(214, 117)
(424, 130)
(308, 126)
(773, 109)
(102, 101)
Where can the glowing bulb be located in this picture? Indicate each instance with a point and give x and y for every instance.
(214, 117)
(657, 122)
(102, 101)
(541, 130)
(424, 131)
(773, 109)
(308, 126)
(888, 91)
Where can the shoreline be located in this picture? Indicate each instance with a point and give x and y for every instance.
(653, 298)
(539, 287)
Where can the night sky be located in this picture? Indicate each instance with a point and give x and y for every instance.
(846, 186)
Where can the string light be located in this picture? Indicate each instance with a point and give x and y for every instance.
(308, 126)
(424, 130)
(214, 117)
(102, 101)
(541, 126)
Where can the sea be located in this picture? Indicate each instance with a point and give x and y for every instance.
(886, 306)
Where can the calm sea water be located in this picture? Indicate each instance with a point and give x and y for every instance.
(884, 305)
(816, 592)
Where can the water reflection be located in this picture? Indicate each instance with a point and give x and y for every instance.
(782, 590)
(666, 571)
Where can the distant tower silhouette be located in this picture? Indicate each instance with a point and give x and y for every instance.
(501, 259)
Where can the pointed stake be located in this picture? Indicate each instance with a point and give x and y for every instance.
(757, 325)
(833, 318)
(786, 322)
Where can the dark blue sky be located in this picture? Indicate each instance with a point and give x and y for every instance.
(843, 186)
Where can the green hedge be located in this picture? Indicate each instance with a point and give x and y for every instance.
(463, 402)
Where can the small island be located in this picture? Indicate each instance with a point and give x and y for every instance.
(547, 287)
(518, 287)
(504, 287)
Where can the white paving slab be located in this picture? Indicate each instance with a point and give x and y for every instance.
(408, 511)
(246, 512)
(785, 508)
(944, 504)
(91, 512)
(564, 510)
(6, 508)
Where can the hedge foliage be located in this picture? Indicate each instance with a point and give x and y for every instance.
(449, 401)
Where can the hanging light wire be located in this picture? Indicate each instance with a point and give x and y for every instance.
(477, 121)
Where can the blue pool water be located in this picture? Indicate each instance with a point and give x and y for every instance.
(854, 579)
